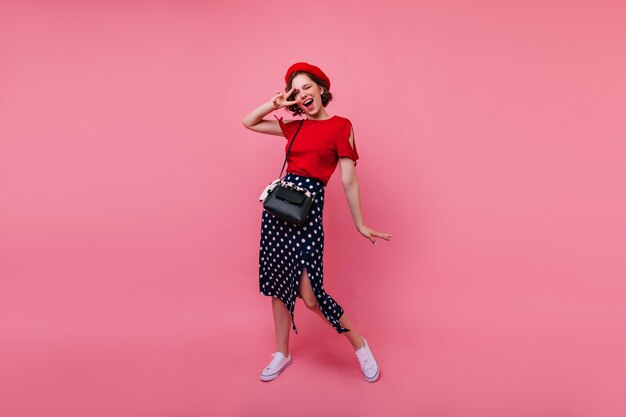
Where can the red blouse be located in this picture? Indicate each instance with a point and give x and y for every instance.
(315, 152)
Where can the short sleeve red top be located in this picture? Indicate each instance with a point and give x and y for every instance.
(319, 145)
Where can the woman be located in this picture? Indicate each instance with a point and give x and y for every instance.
(290, 257)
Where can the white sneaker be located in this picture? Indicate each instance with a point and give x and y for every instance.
(369, 366)
(278, 363)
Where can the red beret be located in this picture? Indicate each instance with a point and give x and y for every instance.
(312, 69)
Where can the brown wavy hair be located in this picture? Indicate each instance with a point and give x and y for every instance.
(326, 97)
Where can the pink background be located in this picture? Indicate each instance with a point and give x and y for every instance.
(491, 137)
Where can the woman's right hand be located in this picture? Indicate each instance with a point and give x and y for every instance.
(280, 99)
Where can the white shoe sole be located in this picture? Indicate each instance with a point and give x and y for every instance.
(266, 378)
(374, 378)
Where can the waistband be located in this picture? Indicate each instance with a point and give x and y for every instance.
(314, 185)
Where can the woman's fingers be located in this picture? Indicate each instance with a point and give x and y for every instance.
(385, 236)
(368, 233)
(289, 103)
(276, 101)
(281, 98)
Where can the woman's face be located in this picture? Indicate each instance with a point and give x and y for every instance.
(307, 92)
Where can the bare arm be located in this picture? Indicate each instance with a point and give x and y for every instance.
(254, 120)
(351, 188)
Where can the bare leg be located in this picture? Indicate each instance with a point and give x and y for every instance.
(282, 324)
(355, 339)
(306, 292)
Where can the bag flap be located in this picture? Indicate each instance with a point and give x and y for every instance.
(290, 195)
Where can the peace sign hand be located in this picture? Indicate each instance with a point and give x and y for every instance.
(280, 99)
(370, 234)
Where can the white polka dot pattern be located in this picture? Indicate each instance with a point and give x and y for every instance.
(286, 249)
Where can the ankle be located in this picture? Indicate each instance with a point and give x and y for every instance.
(359, 346)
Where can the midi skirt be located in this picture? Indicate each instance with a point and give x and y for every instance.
(286, 249)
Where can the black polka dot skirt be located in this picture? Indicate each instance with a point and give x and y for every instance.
(286, 249)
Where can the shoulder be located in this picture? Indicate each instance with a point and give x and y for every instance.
(344, 124)
(288, 124)
(344, 127)
(343, 120)
(286, 121)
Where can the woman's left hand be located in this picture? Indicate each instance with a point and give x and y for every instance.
(370, 234)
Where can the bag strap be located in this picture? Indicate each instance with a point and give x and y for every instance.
(289, 149)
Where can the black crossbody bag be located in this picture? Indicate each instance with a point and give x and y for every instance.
(286, 202)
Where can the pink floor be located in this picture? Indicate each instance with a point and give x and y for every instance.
(444, 352)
